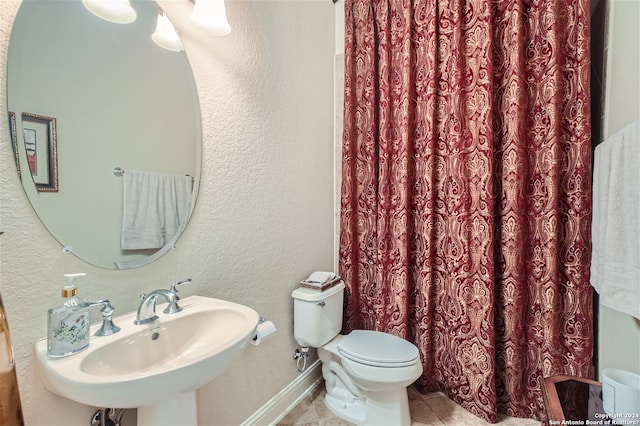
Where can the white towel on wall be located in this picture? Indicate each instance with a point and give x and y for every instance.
(155, 207)
(615, 232)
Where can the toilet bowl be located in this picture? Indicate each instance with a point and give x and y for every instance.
(369, 390)
(366, 372)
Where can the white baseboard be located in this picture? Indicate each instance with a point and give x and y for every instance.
(285, 400)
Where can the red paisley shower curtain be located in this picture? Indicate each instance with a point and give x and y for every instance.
(466, 194)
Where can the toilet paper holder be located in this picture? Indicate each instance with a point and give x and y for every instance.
(264, 331)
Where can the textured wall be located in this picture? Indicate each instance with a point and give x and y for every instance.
(264, 217)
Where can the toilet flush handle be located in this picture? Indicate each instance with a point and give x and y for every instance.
(321, 304)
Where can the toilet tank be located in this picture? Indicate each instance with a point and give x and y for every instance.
(317, 315)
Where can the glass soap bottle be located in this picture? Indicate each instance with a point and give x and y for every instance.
(68, 324)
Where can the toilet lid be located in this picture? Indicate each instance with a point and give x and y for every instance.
(378, 349)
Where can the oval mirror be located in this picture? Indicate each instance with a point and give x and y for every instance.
(106, 129)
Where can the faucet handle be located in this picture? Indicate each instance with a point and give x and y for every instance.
(174, 286)
(108, 327)
(173, 307)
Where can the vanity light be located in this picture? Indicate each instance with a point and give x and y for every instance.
(165, 35)
(211, 16)
(117, 11)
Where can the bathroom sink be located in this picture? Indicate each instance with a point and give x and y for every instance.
(144, 364)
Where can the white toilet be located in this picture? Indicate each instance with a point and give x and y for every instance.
(366, 372)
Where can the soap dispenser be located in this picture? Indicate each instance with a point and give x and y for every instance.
(68, 324)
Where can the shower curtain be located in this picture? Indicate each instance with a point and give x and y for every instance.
(466, 193)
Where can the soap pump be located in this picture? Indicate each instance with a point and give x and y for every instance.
(68, 324)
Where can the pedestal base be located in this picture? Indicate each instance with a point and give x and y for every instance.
(179, 410)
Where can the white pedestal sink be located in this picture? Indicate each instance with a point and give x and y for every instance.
(155, 367)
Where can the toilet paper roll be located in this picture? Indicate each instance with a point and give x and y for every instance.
(264, 332)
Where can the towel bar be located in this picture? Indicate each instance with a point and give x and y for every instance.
(119, 171)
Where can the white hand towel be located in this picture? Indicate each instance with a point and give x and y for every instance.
(615, 232)
(155, 207)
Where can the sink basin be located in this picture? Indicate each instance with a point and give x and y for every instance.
(143, 365)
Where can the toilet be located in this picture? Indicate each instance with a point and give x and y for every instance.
(366, 372)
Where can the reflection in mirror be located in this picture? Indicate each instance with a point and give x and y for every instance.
(40, 146)
(110, 97)
(14, 140)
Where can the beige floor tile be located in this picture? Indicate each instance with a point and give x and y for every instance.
(432, 409)
(421, 414)
(504, 420)
(335, 422)
(322, 411)
(302, 414)
(430, 394)
(413, 394)
(451, 413)
(300, 424)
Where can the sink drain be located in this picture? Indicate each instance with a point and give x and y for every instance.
(155, 336)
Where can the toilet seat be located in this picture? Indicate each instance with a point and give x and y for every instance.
(378, 349)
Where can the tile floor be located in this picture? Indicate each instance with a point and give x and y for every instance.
(433, 409)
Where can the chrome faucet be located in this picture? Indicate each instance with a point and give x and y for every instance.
(147, 309)
(108, 327)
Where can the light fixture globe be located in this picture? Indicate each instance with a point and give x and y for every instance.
(211, 16)
(117, 11)
(165, 34)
